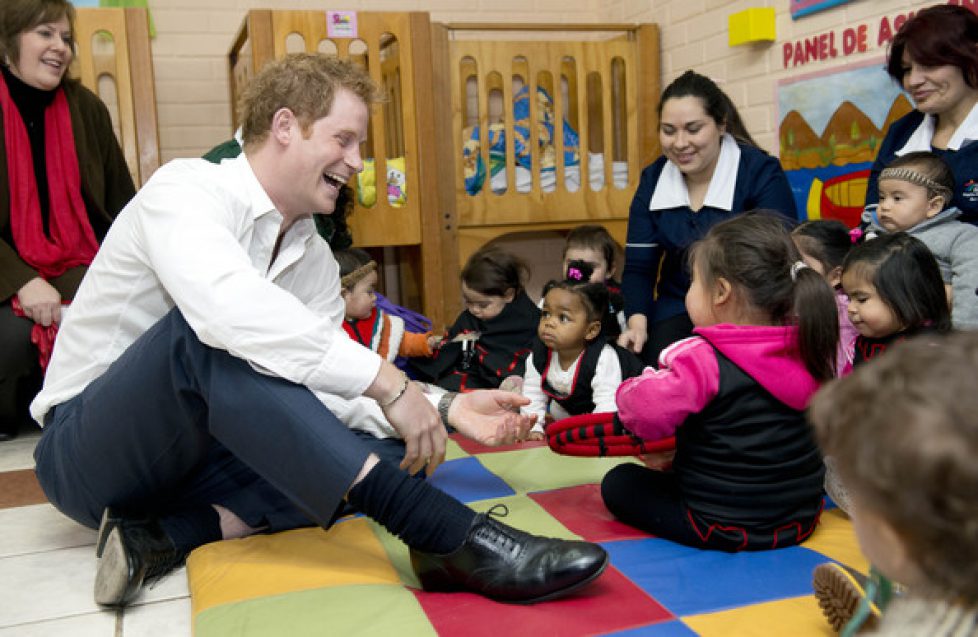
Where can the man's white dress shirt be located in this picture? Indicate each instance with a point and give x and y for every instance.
(200, 237)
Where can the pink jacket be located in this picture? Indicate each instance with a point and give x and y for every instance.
(847, 336)
(656, 403)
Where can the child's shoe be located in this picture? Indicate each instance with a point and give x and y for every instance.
(850, 601)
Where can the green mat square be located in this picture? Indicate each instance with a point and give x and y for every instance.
(540, 469)
(377, 609)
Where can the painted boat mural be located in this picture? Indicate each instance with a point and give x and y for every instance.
(851, 109)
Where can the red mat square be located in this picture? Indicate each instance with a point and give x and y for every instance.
(583, 512)
(610, 604)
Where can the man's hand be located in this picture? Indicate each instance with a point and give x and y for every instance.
(419, 424)
(40, 301)
(490, 417)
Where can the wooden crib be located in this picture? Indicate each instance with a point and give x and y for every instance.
(456, 95)
(114, 61)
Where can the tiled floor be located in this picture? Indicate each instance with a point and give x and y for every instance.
(47, 567)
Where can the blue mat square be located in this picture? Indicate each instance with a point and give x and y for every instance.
(690, 581)
(673, 628)
(468, 480)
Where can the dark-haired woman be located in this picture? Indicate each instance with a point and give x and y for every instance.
(63, 178)
(710, 170)
(934, 57)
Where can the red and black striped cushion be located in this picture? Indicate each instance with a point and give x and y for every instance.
(600, 434)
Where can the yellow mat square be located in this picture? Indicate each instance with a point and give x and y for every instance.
(795, 616)
(835, 539)
(263, 565)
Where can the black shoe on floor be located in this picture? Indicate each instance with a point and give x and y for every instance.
(132, 552)
(509, 565)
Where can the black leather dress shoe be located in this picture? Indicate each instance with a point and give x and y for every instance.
(132, 552)
(509, 565)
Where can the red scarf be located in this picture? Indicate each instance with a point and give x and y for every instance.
(42, 337)
(72, 241)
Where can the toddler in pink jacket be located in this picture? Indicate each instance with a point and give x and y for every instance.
(747, 474)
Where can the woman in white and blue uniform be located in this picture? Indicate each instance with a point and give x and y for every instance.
(934, 57)
(710, 169)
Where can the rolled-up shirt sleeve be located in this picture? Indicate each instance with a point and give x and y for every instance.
(230, 305)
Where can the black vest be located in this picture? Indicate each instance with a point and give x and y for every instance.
(580, 400)
(500, 351)
(748, 459)
(867, 348)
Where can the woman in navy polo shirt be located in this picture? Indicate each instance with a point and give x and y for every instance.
(934, 57)
(710, 170)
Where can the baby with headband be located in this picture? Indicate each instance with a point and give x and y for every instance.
(915, 191)
(369, 325)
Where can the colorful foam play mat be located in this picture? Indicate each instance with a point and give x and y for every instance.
(355, 579)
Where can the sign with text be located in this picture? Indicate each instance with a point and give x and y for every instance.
(341, 24)
(843, 42)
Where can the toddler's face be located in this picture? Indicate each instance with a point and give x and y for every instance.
(869, 314)
(484, 306)
(699, 301)
(564, 326)
(903, 205)
(601, 271)
(360, 301)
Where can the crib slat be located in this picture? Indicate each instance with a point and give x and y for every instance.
(128, 64)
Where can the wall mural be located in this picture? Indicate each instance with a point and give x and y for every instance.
(804, 7)
(830, 127)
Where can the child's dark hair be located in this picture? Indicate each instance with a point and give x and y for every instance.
(351, 260)
(922, 479)
(826, 240)
(755, 253)
(494, 272)
(716, 103)
(335, 227)
(594, 296)
(906, 277)
(924, 169)
(593, 237)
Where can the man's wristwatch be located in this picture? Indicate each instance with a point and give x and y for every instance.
(444, 403)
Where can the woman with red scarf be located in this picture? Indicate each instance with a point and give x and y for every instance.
(63, 178)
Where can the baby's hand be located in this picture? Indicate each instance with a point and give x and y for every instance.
(535, 435)
(435, 340)
(658, 461)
